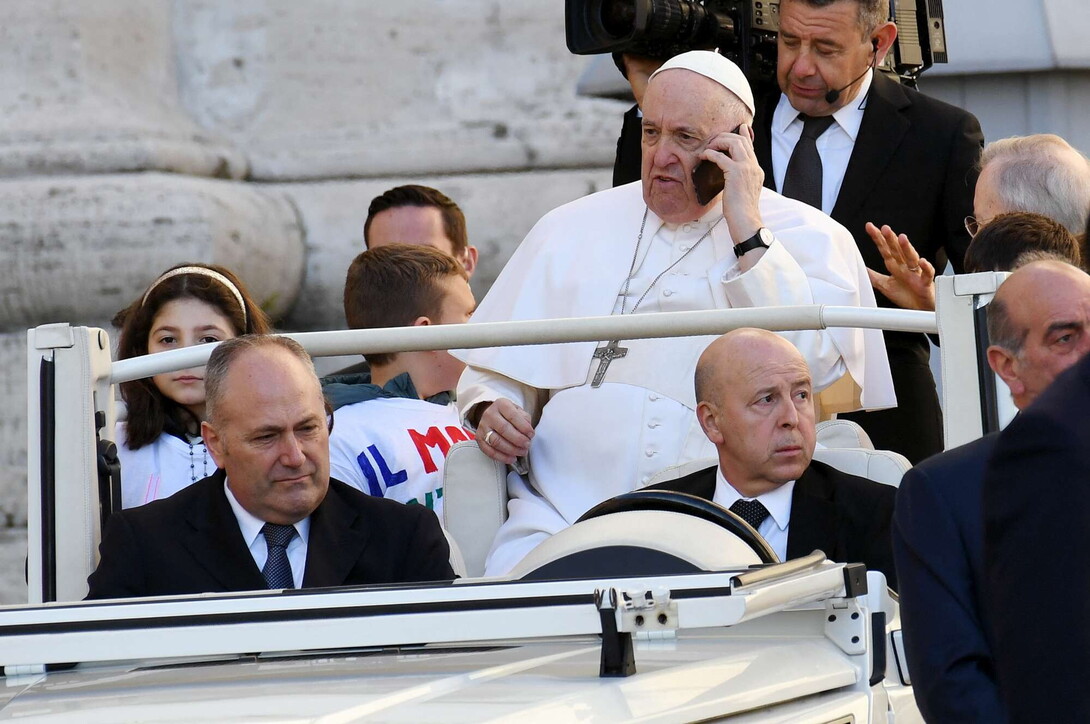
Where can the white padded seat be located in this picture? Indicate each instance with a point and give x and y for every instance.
(843, 433)
(474, 502)
(881, 466)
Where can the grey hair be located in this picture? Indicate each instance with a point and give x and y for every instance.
(872, 13)
(228, 351)
(1042, 173)
(1035, 255)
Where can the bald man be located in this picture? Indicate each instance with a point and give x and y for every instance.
(1039, 325)
(755, 404)
(1036, 505)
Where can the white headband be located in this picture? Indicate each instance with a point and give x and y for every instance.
(712, 65)
(210, 273)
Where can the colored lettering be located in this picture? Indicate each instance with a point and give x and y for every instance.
(369, 473)
(391, 479)
(433, 438)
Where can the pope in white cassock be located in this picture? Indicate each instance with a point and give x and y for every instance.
(595, 424)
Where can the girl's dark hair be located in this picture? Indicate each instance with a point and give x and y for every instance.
(149, 411)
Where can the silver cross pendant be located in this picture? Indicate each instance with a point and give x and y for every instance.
(606, 355)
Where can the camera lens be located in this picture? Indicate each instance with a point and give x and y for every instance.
(618, 17)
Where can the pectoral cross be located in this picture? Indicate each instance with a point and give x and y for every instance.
(606, 354)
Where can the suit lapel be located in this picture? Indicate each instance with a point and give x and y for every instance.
(879, 137)
(336, 541)
(213, 538)
(813, 517)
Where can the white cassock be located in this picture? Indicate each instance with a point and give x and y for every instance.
(595, 443)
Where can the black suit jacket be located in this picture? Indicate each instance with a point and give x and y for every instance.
(843, 515)
(626, 166)
(913, 167)
(191, 543)
(1037, 554)
(938, 546)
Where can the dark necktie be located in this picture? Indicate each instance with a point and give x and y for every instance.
(803, 178)
(277, 570)
(751, 511)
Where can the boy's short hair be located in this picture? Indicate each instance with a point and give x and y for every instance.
(1004, 239)
(394, 285)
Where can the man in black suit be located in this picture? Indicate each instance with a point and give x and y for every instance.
(890, 156)
(270, 517)
(755, 404)
(1039, 324)
(1037, 574)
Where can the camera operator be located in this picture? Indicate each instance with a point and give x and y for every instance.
(636, 69)
(863, 148)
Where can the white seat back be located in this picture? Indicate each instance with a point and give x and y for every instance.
(843, 433)
(474, 502)
(881, 466)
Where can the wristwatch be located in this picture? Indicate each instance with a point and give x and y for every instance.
(761, 240)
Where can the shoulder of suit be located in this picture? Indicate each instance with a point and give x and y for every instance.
(969, 453)
(372, 504)
(173, 508)
(837, 484)
(919, 102)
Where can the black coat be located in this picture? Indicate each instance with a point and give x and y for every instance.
(191, 543)
(845, 516)
(1037, 555)
(914, 167)
(938, 545)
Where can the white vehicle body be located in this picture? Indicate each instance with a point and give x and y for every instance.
(803, 641)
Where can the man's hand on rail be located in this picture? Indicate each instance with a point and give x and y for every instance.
(911, 280)
(504, 431)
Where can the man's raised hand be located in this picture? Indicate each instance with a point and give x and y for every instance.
(910, 283)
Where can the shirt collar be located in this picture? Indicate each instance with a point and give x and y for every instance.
(849, 118)
(776, 501)
(251, 525)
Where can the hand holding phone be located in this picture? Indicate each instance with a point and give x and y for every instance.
(708, 178)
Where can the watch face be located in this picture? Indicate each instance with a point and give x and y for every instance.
(765, 236)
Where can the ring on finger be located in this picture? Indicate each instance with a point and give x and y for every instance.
(488, 437)
(913, 269)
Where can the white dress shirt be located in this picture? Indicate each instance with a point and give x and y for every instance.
(251, 535)
(834, 146)
(777, 502)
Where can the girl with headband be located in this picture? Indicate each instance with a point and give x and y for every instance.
(159, 444)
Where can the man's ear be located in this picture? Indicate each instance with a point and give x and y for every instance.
(882, 39)
(1003, 363)
(705, 415)
(469, 259)
(214, 443)
(422, 322)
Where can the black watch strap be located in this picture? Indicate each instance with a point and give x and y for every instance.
(761, 240)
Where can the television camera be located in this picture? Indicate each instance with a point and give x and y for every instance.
(742, 30)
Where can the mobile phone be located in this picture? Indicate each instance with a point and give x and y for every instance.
(708, 179)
